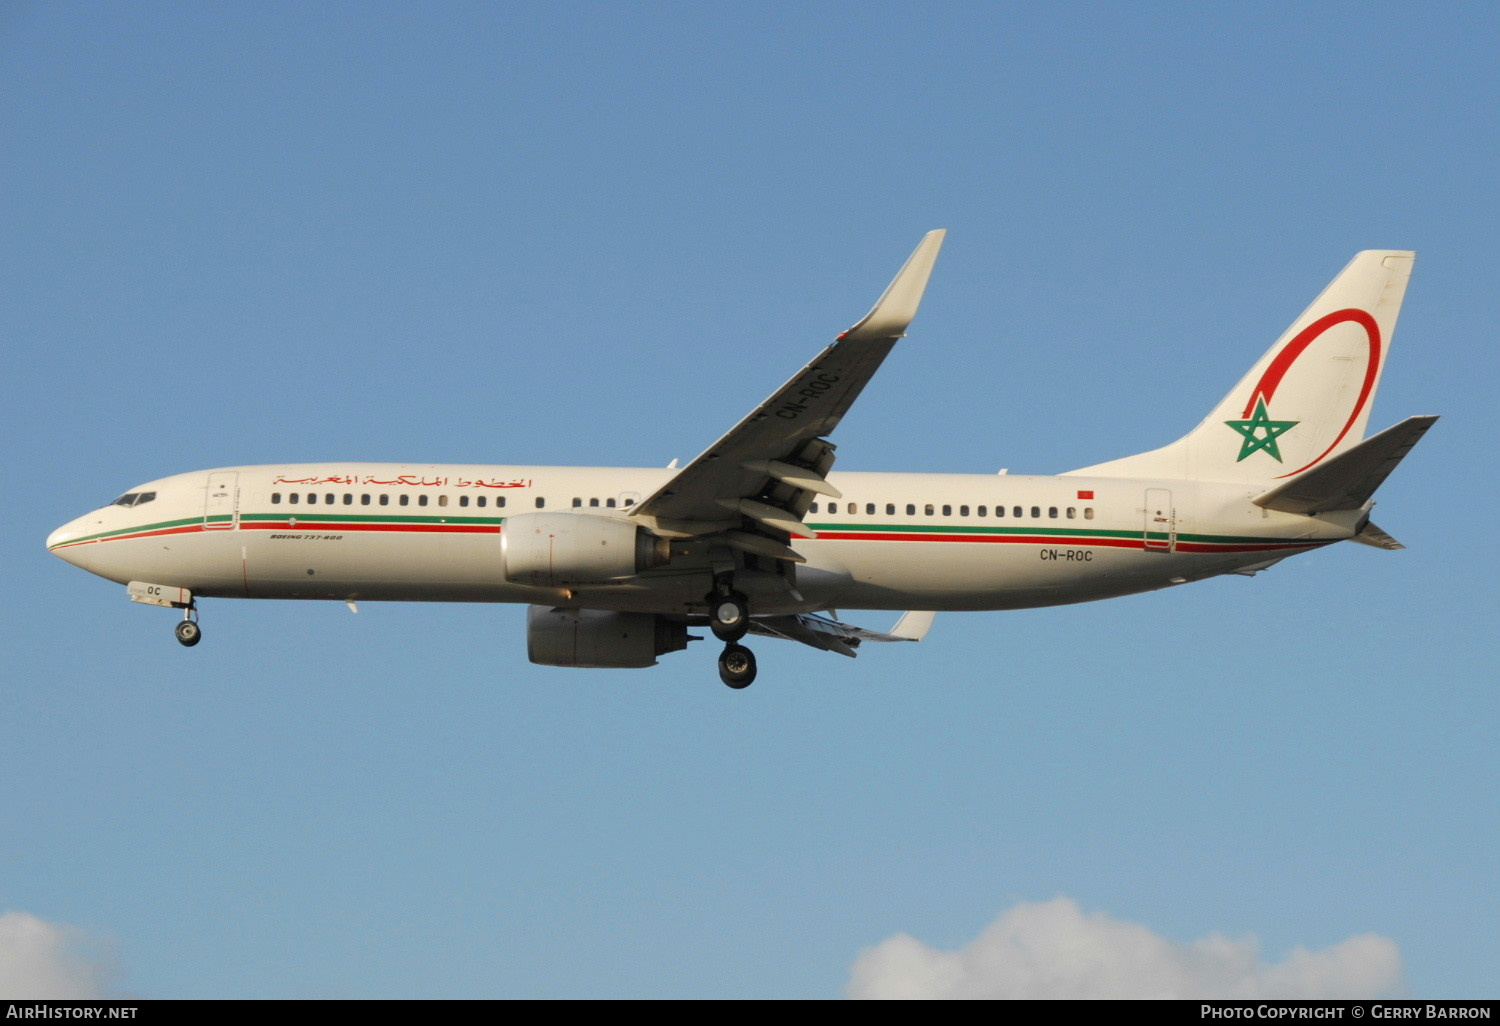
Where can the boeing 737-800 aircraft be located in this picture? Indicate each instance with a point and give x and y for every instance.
(757, 536)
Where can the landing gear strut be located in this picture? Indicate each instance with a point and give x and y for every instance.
(737, 666)
(188, 632)
(729, 620)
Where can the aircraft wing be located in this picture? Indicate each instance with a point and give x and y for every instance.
(769, 465)
(836, 636)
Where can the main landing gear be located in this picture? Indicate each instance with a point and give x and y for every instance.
(728, 615)
(188, 632)
(737, 666)
(729, 619)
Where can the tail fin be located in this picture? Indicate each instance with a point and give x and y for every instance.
(1307, 399)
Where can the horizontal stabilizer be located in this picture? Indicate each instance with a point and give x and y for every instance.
(1347, 481)
(1372, 535)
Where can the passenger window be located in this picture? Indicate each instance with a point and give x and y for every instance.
(442, 500)
(911, 509)
(1052, 512)
(1088, 512)
(853, 508)
(479, 502)
(275, 498)
(348, 498)
(983, 511)
(630, 502)
(1016, 511)
(312, 498)
(364, 498)
(421, 500)
(540, 502)
(593, 503)
(577, 502)
(328, 498)
(813, 508)
(463, 501)
(292, 497)
(499, 500)
(929, 509)
(404, 500)
(1036, 511)
(963, 511)
(999, 511)
(610, 503)
(890, 509)
(869, 509)
(1072, 513)
(947, 511)
(385, 499)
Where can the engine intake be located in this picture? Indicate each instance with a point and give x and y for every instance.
(600, 638)
(554, 550)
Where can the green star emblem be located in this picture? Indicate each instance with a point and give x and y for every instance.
(1259, 422)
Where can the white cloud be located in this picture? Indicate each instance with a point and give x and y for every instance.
(1052, 950)
(41, 960)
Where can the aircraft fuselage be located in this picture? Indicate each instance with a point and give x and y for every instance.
(403, 532)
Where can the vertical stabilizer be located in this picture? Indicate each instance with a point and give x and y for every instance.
(1307, 399)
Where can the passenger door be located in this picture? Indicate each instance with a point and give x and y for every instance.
(1160, 531)
(221, 507)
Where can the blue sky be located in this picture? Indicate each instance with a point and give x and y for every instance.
(598, 234)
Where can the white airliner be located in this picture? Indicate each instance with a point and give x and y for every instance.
(757, 536)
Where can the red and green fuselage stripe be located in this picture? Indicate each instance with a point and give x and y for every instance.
(370, 522)
(1055, 536)
(301, 522)
(427, 524)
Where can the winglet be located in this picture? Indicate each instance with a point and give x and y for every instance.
(897, 305)
(913, 625)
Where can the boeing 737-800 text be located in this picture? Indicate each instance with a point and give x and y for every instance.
(758, 536)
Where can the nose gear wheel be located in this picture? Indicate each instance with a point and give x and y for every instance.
(187, 630)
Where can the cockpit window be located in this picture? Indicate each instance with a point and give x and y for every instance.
(134, 498)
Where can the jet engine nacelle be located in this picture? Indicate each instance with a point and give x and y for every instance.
(600, 638)
(554, 550)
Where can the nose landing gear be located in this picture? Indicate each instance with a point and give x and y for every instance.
(188, 632)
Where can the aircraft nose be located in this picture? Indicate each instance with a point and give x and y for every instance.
(62, 542)
(61, 536)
